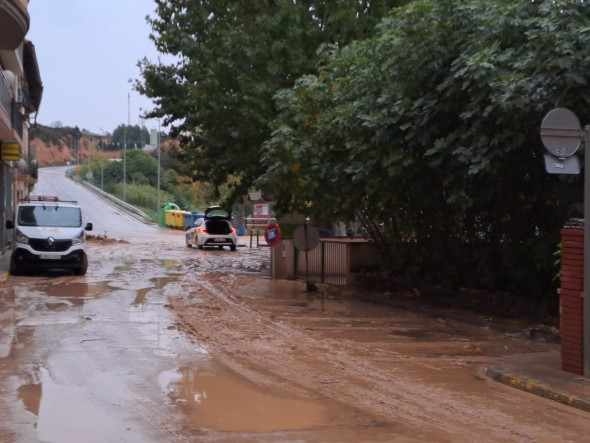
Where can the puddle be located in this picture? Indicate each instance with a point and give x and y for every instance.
(73, 412)
(158, 282)
(141, 296)
(65, 289)
(168, 263)
(56, 306)
(73, 293)
(171, 264)
(224, 402)
(30, 395)
(161, 282)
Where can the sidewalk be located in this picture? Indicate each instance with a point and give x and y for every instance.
(4, 265)
(541, 374)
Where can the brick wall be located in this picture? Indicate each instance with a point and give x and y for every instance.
(571, 296)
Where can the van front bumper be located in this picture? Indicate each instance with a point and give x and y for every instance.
(27, 259)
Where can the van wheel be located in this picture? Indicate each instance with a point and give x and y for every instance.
(15, 268)
(82, 269)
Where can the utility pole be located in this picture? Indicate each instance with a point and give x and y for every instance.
(125, 148)
(102, 160)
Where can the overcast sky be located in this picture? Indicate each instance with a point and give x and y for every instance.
(87, 51)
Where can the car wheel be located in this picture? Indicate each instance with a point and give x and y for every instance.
(188, 243)
(15, 268)
(83, 268)
(220, 247)
(233, 247)
(200, 246)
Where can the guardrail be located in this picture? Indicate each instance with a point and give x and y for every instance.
(115, 200)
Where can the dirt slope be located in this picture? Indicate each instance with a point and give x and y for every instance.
(52, 154)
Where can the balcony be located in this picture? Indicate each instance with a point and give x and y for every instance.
(11, 119)
(14, 23)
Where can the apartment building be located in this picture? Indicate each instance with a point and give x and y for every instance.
(21, 90)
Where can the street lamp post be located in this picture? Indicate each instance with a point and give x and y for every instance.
(125, 148)
(159, 147)
(155, 140)
(124, 160)
(101, 159)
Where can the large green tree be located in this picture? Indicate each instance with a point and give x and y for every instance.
(429, 134)
(132, 136)
(229, 60)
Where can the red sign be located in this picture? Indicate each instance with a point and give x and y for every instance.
(272, 235)
(261, 210)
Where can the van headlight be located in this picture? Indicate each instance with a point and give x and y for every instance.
(21, 238)
(79, 239)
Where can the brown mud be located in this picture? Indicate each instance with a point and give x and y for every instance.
(163, 343)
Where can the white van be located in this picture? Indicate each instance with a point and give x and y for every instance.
(48, 234)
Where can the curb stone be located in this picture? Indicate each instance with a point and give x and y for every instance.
(532, 387)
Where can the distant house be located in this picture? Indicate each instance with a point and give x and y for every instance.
(98, 139)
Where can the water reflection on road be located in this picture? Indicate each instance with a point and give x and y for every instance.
(83, 358)
(202, 393)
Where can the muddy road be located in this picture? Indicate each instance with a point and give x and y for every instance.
(162, 343)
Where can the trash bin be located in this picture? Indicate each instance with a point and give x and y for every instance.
(189, 220)
(163, 216)
(170, 215)
(181, 219)
(177, 219)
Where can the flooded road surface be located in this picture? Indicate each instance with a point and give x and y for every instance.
(162, 343)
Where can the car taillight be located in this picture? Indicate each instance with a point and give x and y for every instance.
(233, 230)
(203, 230)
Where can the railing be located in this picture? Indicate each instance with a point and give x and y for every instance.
(18, 120)
(5, 96)
(10, 107)
(115, 200)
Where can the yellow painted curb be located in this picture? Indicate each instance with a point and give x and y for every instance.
(532, 387)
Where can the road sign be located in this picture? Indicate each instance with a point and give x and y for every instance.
(561, 132)
(10, 152)
(272, 235)
(569, 165)
(306, 237)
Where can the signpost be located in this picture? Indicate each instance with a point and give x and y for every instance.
(272, 235)
(562, 135)
(305, 238)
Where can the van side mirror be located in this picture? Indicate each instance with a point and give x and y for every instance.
(88, 227)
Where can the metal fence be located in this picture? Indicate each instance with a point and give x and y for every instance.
(115, 200)
(5, 96)
(328, 263)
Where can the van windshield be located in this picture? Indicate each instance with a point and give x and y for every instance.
(50, 216)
